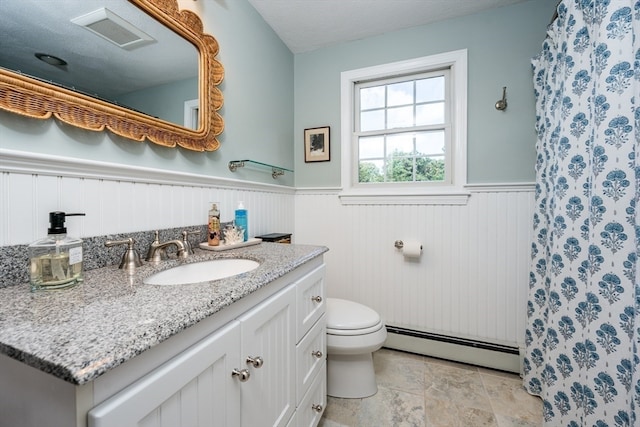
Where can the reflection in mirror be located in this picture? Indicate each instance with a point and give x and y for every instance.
(139, 60)
(191, 113)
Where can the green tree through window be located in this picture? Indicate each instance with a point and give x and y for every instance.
(403, 167)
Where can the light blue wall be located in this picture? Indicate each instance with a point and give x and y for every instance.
(258, 107)
(163, 101)
(500, 43)
(260, 120)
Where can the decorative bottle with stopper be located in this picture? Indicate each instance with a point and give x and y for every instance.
(214, 226)
(56, 260)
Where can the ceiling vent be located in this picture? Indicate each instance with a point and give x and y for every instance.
(113, 28)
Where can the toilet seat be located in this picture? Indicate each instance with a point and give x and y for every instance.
(348, 318)
(355, 332)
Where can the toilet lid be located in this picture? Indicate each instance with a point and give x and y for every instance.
(349, 315)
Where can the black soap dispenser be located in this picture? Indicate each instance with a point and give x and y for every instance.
(56, 260)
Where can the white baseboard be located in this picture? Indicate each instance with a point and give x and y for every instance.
(485, 357)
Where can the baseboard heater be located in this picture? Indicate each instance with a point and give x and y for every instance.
(490, 355)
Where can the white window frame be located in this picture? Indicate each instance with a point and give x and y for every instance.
(416, 193)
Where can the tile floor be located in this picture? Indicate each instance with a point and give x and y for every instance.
(415, 390)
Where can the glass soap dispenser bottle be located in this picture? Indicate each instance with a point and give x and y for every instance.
(56, 260)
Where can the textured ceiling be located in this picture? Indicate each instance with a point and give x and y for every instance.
(28, 26)
(305, 25)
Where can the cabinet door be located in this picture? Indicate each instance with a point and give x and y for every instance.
(195, 388)
(268, 332)
(310, 301)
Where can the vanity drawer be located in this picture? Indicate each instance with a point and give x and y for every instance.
(311, 354)
(313, 404)
(311, 304)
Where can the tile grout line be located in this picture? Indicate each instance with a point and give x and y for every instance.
(484, 387)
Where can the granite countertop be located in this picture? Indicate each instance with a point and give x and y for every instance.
(80, 333)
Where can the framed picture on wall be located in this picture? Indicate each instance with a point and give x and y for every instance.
(316, 145)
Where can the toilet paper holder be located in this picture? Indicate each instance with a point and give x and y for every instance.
(399, 244)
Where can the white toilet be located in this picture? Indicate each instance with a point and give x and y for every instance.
(354, 331)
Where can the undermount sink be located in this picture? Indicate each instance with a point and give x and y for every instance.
(203, 271)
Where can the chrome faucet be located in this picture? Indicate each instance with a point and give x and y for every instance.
(131, 258)
(187, 243)
(157, 250)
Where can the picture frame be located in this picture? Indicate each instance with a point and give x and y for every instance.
(317, 145)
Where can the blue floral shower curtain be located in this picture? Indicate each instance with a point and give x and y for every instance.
(583, 309)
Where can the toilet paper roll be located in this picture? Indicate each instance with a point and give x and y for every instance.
(412, 249)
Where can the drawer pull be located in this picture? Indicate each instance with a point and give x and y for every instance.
(317, 354)
(316, 298)
(316, 407)
(243, 375)
(257, 361)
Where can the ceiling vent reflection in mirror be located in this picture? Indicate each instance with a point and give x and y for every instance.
(113, 28)
(40, 97)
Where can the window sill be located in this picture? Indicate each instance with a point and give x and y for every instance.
(387, 197)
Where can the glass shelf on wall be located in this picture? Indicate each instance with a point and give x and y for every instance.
(276, 171)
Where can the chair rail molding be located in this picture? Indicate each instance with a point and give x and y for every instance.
(14, 161)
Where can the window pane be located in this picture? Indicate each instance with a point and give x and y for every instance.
(430, 168)
(430, 143)
(372, 97)
(400, 94)
(429, 90)
(370, 171)
(430, 114)
(399, 168)
(371, 147)
(371, 120)
(399, 117)
(400, 144)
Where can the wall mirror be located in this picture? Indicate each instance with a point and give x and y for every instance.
(127, 66)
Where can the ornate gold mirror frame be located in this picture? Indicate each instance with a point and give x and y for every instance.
(37, 99)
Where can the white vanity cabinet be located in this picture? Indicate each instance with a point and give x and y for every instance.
(267, 367)
(193, 389)
(274, 338)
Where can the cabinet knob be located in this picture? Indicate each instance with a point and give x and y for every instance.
(316, 298)
(243, 375)
(317, 354)
(316, 407)
(256, 361)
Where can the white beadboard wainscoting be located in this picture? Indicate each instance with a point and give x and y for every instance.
(468, 287)
(464, 299)
(119, 198)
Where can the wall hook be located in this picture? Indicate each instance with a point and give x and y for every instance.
(502, 103)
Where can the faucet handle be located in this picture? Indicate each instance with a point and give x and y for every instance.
(131, 258)
(156, 252)
(187, 245)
